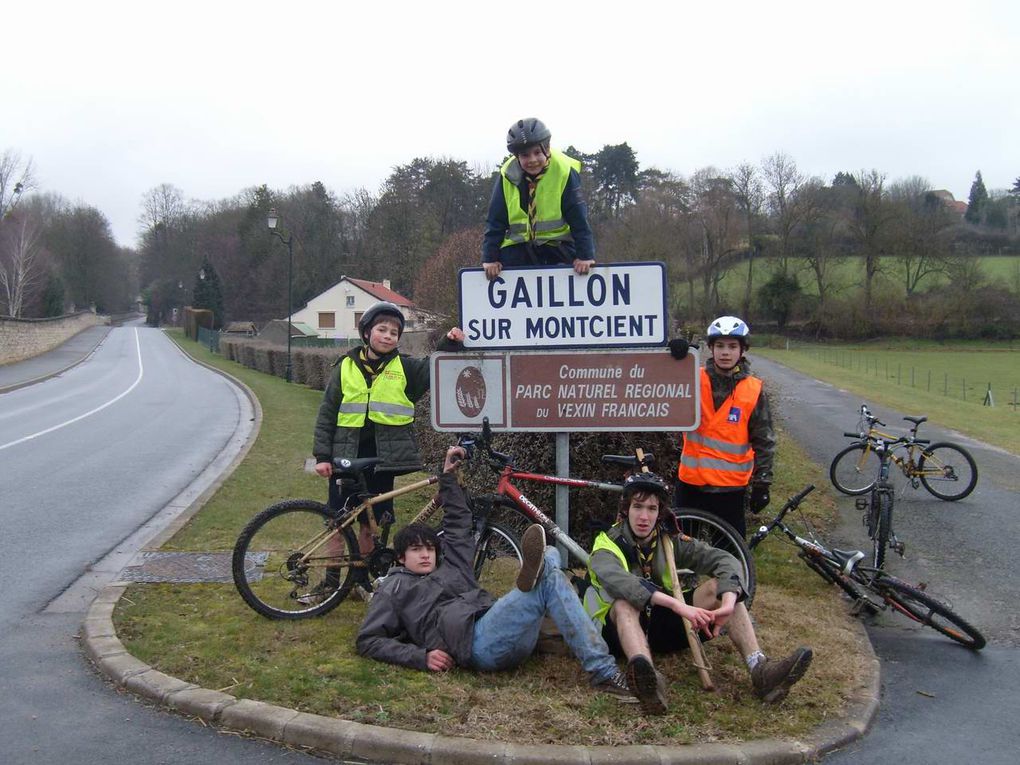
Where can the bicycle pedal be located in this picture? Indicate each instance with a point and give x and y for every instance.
(899, 547)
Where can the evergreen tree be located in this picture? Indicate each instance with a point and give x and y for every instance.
(976, 202)
(208, 294)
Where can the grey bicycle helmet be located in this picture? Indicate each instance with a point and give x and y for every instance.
(374, 313)
(728, 326)
(527, 132)
(647, 482)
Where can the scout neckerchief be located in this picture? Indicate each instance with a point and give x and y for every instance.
(532, 209)
(646, 552)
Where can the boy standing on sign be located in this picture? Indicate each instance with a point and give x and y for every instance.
(731, 452)
(536, 213)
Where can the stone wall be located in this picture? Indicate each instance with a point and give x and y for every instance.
(23, 338)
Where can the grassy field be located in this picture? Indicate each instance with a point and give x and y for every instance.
(205, 634)
(848, 274)
(947, 383)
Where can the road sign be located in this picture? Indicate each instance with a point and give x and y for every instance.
(565, 391)
(615, 305)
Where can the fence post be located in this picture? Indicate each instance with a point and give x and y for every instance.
(911, 377)
(964, 388)
(945, 384)
(898, 374)
(929, 380)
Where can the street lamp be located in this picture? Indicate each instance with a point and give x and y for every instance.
(272, 219)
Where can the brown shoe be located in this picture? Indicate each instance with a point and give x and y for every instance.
(647, 684)
(533, 550)
(772, 679)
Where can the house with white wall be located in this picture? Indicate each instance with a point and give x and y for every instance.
(336, 312)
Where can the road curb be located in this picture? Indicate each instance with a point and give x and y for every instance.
(375, 744)
(54, 373)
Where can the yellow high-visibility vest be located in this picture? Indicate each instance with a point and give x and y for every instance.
(549, 223)
(384, 402)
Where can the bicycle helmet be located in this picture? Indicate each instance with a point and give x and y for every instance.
(526, 133)
(646, 482)
(374, 313)
(728, 326)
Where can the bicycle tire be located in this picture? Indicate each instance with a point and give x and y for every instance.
(923, 608)
(266, 571)
(498, 559)
(956, 465)
(854, 470)
(880, 525)
(828, 571)
(716, 532)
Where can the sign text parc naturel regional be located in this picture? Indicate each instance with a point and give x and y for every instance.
(615, 305)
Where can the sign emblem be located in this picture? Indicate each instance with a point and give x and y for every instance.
(470, 391)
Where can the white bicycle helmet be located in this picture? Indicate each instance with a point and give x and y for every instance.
(728, 326)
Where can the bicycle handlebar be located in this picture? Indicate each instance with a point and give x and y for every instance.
(791, 504)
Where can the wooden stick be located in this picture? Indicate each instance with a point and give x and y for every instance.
(698, 657)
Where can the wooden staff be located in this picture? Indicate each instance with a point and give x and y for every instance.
(693, 641)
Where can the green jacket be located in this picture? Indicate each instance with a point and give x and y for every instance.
(612, 581)
(397, 444)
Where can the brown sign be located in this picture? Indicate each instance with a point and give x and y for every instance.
(565, 391)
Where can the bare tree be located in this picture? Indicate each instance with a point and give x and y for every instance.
(920, 231)
(784, 182)
(717, 211)
(16, 179)
(21, 259)
(869, 226)
(750, 195)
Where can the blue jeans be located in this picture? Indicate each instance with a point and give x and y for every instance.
(506, 635)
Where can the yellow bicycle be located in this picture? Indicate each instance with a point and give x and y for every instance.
(945, 469)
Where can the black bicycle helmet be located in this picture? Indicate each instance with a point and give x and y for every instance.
(647, 482)
(372, 315)
(525, 133)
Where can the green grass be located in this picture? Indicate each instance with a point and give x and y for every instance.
(883, 374)
(206, 635)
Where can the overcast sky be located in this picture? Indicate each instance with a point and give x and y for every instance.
(110, 99)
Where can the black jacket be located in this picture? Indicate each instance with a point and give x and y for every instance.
(412, 614)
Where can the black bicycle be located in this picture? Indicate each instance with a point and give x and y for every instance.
(869, 587)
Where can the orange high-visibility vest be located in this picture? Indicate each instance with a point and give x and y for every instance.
(719, 452)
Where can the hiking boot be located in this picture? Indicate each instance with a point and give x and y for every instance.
(533, 550)
(772, 679)
(616, 686)
(647, 684)
(362, 592)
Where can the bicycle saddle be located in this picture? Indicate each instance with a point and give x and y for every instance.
(916, 420)
(847, 558)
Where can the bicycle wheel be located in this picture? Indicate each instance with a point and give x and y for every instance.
(947, 471)
(854, 470)
(716, 532)
(286, 565)
(923, 608)
(498, 559)
(879, 525)
(828, 571)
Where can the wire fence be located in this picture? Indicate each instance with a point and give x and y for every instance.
(964, 388)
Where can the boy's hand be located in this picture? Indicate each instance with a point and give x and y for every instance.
(456, 335)
(492, 270)
(678, 348)
(759, 497)
(454, 456)
(325, 469)
(581, 267)
(439, 660)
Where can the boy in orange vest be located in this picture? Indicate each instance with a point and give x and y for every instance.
(730, 455)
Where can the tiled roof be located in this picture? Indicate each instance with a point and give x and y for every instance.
(379, 290)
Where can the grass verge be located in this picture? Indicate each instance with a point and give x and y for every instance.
(866, 376)
(205, 634)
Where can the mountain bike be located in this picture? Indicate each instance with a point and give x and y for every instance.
(870, 589)
(945, 469)
(300, 558)
(508, 502)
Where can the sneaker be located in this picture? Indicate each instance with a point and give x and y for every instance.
(616, 686)
(533, 549)
(772, 679)
(362, 592)
(647, 684)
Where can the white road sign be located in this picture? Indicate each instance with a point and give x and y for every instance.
(615, 305)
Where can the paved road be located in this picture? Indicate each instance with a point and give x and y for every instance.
(940, 702)
(87, 458)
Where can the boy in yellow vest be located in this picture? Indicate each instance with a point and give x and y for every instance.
(639, 608)
(367, 410)
(731, 452)
(536, 214)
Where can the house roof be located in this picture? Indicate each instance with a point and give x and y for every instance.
(381, 291)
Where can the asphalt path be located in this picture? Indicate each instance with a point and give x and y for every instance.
(88, 459)
(940, 702)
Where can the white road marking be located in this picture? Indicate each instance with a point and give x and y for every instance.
(141, 372)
